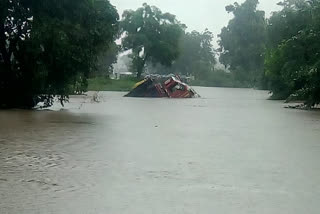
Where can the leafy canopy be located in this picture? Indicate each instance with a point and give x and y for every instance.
(52, 47)
(197, 56)
(242, 42)
(292, 60)
(151, 35)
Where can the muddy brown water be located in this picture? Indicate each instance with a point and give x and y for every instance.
(231, 151)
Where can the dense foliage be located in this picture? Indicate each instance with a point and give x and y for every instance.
(293, 55)
(49, 47)
(151, 35)
(280, 53)
(106, 60)
(197, 56)
(242, 43)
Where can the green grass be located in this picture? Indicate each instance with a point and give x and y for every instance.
(218, 78)
(105, 84)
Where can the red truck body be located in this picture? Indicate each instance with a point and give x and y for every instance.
(173, 87)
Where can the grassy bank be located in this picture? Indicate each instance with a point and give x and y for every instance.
(105, 84)
(220, 83)
(218, 78)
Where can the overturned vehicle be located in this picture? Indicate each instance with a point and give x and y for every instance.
(154, 87)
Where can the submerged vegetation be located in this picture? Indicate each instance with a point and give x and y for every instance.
(57, 48)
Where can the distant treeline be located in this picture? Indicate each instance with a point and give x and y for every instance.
(51, 48)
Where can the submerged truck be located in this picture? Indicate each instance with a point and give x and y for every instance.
(155, 87)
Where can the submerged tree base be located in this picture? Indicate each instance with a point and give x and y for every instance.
(303, 107)
(16, 100)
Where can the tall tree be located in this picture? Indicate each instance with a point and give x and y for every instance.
(292, 60)
(151, 35)
(106, 61)
(58, 51)
(197, 54)
(242, 42)
(15, 27)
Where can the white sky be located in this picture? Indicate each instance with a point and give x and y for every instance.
(196, 14)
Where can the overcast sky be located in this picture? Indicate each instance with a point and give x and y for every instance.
(196, 14)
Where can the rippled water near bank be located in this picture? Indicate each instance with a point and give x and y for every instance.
(232, 151)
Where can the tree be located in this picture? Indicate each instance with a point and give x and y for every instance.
(242, 42)
(286, 23)
(106, 61)
(197, 54)
(151, 35)
(58, 51)
(292, 61)
(15, 26)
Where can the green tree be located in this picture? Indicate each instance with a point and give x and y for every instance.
(151, 35)
(197, 55)
(106, 61)
(292, 61)
(15, 26)
(58, 50)
(242, 42)
(284, 24)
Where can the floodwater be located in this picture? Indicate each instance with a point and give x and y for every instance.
(231, 152)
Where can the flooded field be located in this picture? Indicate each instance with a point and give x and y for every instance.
(231, 151)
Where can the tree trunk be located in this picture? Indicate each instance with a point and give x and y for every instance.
(141, 66)
(3, 50)
(13, 94)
